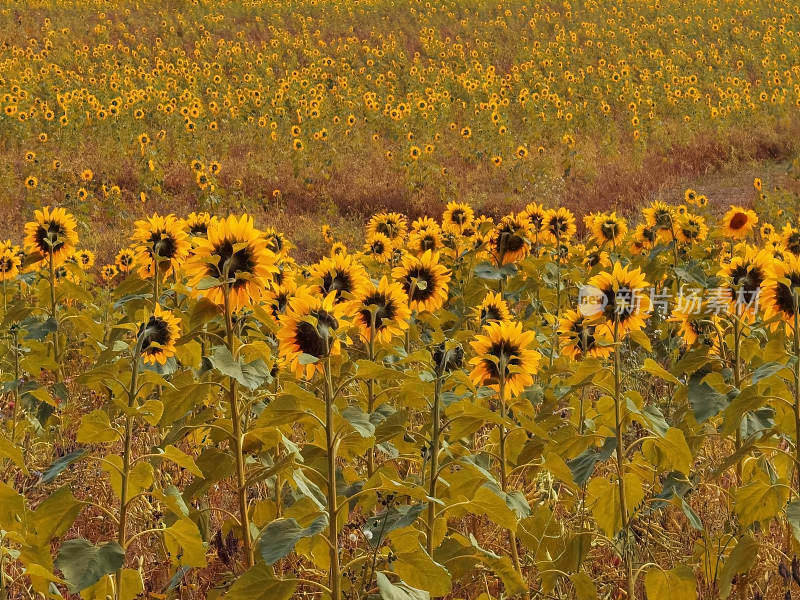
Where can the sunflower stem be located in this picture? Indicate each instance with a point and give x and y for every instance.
(512, 538)
(335, 583)
(238, 438)
(434, 466)
(371, 392)
(627, 551)
(54, 315)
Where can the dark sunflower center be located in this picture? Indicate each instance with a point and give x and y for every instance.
(275, 243)
(377, 247)
(491, 313)
(793, 243)
(199, 229)
(785, 295)
(236, 263)
(385, 310)
(584, 336)
(558, 226)
(339, 281)
(738, 221)
(50, 237)
(505, 352)
(428, 242)
(620, 304)
(163, 244)
(746, 280)
(315, 340)
(509, 241)
(5, 264)
(156, 332)
(420, 284)
(387, 228)
(459, 217)
(663, 219)
(610, 229)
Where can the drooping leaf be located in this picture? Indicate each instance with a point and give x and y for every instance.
(279, 537)
(83, 563)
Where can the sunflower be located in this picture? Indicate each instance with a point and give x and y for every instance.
(691, 228)
(9, 264)
(660, 217)
(307, 332)
(509, 240)
(85, 259)
(790, 238)
(341, 275)
(424, 280)
(504, 351)
(158, 336)
(125, 260)
(389, 305)
(695, 323)
(738, 222)
(197, 224)
(536, 214)
(578, 337)
(379, 247)
(559, 224)
(781, 291)
(422, 240)
(744, 275)
(159, 242)
(617, 299)
(327, 234)
(232, 260)
(51, 232)
(607, 228)
(338, 248)
(276, 242)
(644, 239)
(276, 298)
(457, 216)
(493, 308)
(108, 272)
(392, 225)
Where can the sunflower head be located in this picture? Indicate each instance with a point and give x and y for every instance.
(578, 336)
(108, 272)
(660, 217)
(379, 247)
(617, 299)
(276, 242)
(9, 264)
(536, 214)
(308, 332)
(493, 308)
(424, 280)
(743, 277)
(125, 260)
(419, 241)
(51, 233)
(160, 243)
(781, 292)
(695, 322)
(158, 336)
(232, 263)
(738, 222)
(510, 240)
(341, 275)
(457, 217)
(607, 228)
(197, 224)
(504, 358)
(690, 228)
(559, 225)
(379, 310)
(84, 258)
(790, 238)
(393, 225)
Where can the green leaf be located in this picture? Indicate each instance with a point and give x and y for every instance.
(55, 515)
(185, 544)
(760, 499)
(12, 452)
(670, 453)
(83, 563)
(705, 401)
(399, 591)
(359, 420)
(279, 537)
(740, 560)
(250, 375)
(180, 458)
(667, 585)
(95, 428)
(380, 525)
(260, 583)
(584, 586)
(62, 463)
(418, 569)
(652, 367)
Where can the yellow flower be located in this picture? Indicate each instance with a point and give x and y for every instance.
(381, 309)
(424, 280)
(738, 222)
(158, 336)
(493, 308)
(504, 358)
(159, 242)
(51, 232)
(617, 299)
(578, 337)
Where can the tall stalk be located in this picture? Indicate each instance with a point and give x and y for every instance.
(54, 315)
(371, 391)
(797, 388)
(238, 438)
(512, 538)
(434, 468)
(126, 456)
(623, 504)
(335, 582)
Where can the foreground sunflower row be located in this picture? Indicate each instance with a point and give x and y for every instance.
(462, 408)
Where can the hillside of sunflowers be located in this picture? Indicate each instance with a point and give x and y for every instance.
(374, 300)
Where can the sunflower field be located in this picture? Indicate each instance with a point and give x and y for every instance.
(461, 408)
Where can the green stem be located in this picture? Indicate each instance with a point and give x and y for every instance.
(335, 582)
(512, 538)
(238, 438)
(436, 425)
(623, 508)
(53, 315)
